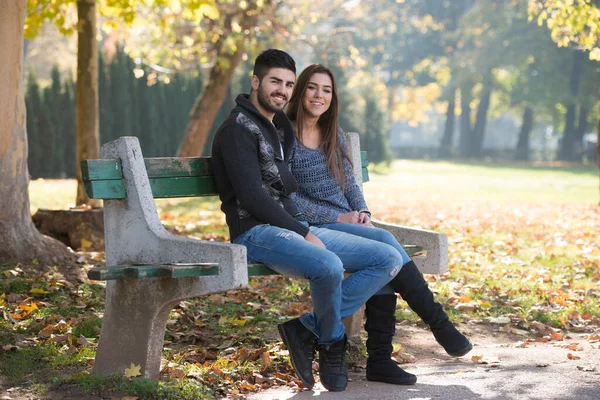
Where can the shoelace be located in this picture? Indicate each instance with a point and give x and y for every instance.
(335, 359)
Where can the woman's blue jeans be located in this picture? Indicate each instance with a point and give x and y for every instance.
(377, 234)
(334, 298)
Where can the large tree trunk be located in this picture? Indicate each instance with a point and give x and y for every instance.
(446, 143)
(86, 107)
(481, 118)
(209, 102)
(567, 145)
(580, 131)
(522, 151)
(19, 239)
(466, 132)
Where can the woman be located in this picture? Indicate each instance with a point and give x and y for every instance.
(329, 197)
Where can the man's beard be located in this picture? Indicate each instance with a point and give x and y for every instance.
(264, 101)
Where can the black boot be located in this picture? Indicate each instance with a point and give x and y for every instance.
(301, 344)
(414, 290)
(332, 365)
(381, 326)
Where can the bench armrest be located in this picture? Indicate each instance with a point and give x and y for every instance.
(435, 245)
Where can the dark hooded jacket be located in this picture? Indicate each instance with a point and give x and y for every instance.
(250, 162)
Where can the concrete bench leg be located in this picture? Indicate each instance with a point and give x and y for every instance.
(135, 320)
(354, 324)
(133, 327)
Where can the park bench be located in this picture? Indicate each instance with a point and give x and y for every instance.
(149, 271)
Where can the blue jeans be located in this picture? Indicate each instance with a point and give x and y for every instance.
(334, 298)
(377, 234)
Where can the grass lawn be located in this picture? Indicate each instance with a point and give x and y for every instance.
(524, 249)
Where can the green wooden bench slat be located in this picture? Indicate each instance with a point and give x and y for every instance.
(171, 167)
(183, 187)
(106, 273)
(411, 249)
(260, 270)
(169, 177)
(160, 167)
(152, 271)
(364, 161)
(161, 188)
(170, 271)
(182, 270)
(92, 170)
(114, 189)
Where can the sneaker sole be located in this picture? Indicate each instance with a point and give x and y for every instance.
(309, 385)
(387, 379)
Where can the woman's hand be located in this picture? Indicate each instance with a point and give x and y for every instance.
(314, 240)
(364, 219)
(351, 217)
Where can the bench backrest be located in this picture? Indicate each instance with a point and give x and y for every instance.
(169, 177)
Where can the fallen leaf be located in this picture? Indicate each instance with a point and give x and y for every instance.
(501, 320)
(15, 317)
(38, 291)
(133, 371)
(586, 369)
(265, 360)
(85, 244)
(177, 373)
(571, 356)
(238, 322)
(556, 335)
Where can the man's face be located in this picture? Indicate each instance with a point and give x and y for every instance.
(275, 89)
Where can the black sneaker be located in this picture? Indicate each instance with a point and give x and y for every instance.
(301, 345)
(332, 365)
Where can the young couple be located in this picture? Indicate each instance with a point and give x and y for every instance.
(315, 224)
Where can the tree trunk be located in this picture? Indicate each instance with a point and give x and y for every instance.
(86, 106)
(579, 132)
(209, 102)
(522, 151)
(567, 142)
(20, 241)
(481, 119)
(466, 137)
(567, 145)
(446, 143)
(598, 153)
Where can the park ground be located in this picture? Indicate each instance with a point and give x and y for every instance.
(524, 273)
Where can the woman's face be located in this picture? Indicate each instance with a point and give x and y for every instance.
(317, 97)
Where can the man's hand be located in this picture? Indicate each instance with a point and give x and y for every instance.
(314, 240)
(364, 219)
(351, 217)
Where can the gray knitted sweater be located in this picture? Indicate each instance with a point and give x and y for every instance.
(319, 196)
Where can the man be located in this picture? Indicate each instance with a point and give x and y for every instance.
(250, 155)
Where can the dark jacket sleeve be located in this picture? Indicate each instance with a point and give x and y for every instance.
(239, 149)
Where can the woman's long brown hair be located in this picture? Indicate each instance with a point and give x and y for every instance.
(328, 122)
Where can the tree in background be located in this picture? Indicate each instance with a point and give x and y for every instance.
(572, 23)
(21, 242)
(375, 131)
(155, 110)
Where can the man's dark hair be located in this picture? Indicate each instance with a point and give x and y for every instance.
(273, 58)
